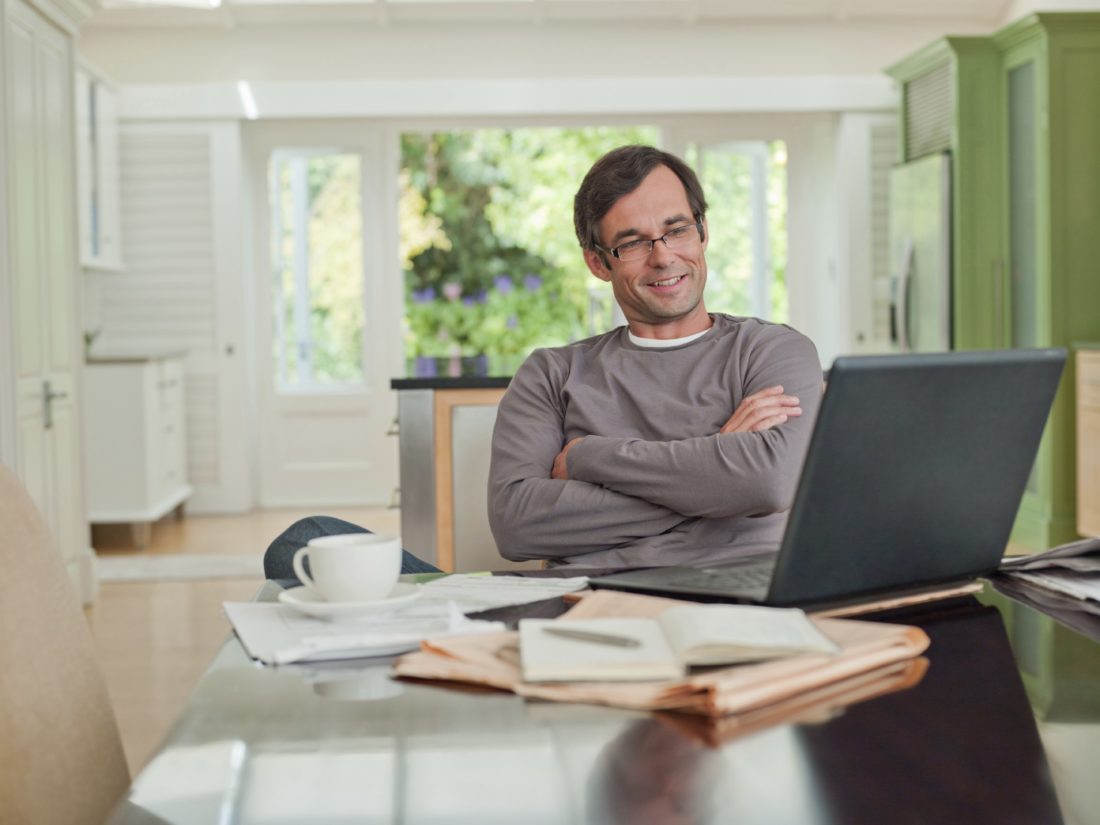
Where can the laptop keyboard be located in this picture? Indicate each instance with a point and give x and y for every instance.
(731, 577)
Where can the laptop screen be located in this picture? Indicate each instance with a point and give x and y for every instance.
(915, 471)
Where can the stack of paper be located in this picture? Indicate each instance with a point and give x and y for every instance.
(1070, 569)
(493, 659)
(276, 633)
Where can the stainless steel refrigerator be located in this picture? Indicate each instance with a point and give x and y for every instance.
(920, 254)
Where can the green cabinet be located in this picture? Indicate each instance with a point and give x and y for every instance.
(1022, 115)
(950, 104)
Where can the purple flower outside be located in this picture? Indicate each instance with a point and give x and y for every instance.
(425, 366)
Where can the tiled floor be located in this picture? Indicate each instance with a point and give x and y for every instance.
(155, 639)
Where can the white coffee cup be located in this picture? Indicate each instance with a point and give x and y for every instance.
(350, 567)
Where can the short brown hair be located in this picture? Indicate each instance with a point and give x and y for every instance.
(619, 173)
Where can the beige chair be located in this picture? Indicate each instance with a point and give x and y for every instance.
(61, 759)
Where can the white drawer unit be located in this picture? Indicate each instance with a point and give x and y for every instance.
(135, 441)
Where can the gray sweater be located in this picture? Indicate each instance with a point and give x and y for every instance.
(652, 483)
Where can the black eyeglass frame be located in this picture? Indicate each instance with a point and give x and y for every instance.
(614, 252)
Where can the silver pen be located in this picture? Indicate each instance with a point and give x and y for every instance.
(592, 636)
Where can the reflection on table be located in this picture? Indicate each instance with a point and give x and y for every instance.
(328, 744)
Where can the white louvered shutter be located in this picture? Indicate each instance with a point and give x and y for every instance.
(179, 270)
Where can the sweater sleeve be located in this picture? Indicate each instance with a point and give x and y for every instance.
(715, 476)
(533, 516)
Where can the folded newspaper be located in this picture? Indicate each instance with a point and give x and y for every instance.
(1071, 569)
(492, 659)
(277, 633)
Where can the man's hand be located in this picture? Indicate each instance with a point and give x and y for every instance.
(759, 411)
(560, 472)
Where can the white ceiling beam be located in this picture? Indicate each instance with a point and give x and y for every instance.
(544, 97)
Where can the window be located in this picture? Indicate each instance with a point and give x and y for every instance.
(491, 262)
(317, 268)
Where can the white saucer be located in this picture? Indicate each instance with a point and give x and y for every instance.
(306, 601)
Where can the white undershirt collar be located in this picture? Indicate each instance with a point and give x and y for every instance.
(665, 343)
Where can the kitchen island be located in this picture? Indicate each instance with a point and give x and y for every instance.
(446, 409)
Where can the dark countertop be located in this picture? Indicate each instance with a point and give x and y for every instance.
(461, 383)
(457, 373)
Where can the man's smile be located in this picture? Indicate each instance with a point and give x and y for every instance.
(667, 283)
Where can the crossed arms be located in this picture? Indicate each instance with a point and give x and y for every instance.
(597, 492)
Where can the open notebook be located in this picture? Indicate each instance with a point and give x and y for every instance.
(663, 647)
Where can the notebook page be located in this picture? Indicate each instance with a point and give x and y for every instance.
(719, 634)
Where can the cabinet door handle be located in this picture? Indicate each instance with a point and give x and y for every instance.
(48, 397)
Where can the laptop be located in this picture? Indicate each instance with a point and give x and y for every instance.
(912, 481)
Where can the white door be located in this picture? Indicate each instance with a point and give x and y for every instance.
(44, 279)
(328, 312)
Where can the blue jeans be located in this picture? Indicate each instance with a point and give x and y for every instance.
(280, 554)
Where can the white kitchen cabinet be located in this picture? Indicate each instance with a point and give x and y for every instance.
(135, 440)
(97, 142)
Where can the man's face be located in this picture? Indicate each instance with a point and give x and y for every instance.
(661, 295)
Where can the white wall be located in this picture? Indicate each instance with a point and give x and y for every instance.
(866, 149)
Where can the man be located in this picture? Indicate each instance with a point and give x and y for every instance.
(677, 439)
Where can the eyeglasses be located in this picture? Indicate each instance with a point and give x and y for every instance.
(673, 239)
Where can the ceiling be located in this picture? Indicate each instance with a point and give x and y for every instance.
(233, 13)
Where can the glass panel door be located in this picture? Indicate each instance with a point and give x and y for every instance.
(746, 187)
(317, 263)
